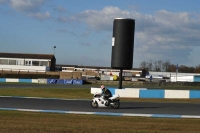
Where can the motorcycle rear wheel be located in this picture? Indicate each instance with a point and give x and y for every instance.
(115, 105)
(94, 104)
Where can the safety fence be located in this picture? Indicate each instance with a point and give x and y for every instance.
(151, 93)
(44, 81)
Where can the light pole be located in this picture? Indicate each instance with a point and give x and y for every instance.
(54, 49)
(176, 71)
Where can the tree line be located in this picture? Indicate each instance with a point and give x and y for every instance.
(166, 66)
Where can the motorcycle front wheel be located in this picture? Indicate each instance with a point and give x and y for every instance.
(115, 105)
(94, 104)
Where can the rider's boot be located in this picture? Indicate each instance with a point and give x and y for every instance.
(107, 102)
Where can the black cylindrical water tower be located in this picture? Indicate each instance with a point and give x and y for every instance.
(122, 44)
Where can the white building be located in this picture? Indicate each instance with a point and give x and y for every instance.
(27, 62)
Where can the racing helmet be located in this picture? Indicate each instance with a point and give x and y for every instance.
(102, 86)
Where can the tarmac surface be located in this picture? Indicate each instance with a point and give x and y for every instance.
(84, 105)
(176, 110)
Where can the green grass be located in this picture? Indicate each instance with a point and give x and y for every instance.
(47, 92)
(31, 122)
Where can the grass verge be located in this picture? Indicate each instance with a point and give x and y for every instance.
(31, 122)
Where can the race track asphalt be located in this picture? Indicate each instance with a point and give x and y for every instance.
(84, 105)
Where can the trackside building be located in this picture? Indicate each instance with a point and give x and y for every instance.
(27, 62)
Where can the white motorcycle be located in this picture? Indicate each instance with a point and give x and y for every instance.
(99, 101)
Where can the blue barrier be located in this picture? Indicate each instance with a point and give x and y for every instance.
(194, 94)
(2, 79)
(77, 82)
(152, 93)
(112, 90)
(25, 80)
(196, 79)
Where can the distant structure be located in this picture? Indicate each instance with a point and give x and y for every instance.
(27, 62)
(104, 73)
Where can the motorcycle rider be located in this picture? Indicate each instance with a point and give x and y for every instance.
(106, 93)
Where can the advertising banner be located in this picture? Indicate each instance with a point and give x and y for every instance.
(65, 81)
(68, 81)
(77, 82)
(51, 81)
(60, 81)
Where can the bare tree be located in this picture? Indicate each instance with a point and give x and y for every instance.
(156, 66)
(144, 64)
(166, 66)
(172, 68)
(160, 65)
(197, 69)
(150, 65)
(186, 69)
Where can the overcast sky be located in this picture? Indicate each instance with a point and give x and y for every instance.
(81, 30)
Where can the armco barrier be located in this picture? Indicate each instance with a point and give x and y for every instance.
(145, 93)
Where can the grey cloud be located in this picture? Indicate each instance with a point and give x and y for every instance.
(66, 31)
(26, 5)
(60, 9)
(40, 16)
(167, 26)
(100, 20)
(85, 44)
(62, 30)
(133, 7)
(31, 8)
(63, 19)
(86, 33)
(4, 1)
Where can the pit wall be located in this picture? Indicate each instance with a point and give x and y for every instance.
(146, 93)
